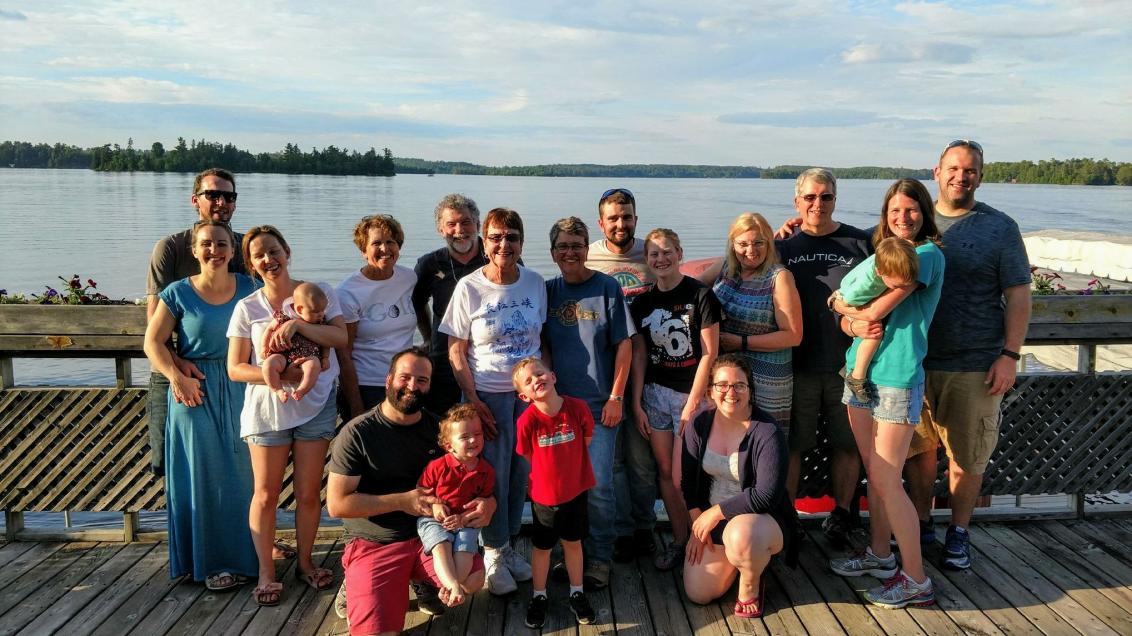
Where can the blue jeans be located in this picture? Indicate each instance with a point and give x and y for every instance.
(511, 468)
(598, 545)
(634, 479)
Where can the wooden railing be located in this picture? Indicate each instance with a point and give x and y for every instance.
(87, 448)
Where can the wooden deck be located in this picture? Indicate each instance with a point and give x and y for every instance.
(1040, 577)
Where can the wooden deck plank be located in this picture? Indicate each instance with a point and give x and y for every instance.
(805, 598)
(485, 617)
(82, 595)
(1109, 535)
(705, 620)
(313, 609)
(27, 561)
(271, 620)
(1107, 575)
(665, 605)
(842, 601)
(146, 595)
(35, 578)
(628, 599)
(1067, 575)
(105, 606)
(50, 586)
(11, 551)
(1038, 585)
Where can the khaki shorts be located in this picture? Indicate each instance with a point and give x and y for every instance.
(959, 413)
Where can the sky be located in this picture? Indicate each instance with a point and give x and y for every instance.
(515, 83)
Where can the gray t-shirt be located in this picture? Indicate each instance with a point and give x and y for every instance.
(985, 255)
(173, 260)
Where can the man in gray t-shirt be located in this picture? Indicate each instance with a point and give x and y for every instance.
(213, 198)
(973, 345)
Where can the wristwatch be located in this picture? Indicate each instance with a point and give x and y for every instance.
(1013, 355)
(616, 398)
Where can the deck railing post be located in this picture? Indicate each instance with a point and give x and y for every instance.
(7, 376)
(123, 372)
(129, 527)
(13, 524)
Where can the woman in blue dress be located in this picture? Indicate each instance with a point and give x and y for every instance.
(208, 475)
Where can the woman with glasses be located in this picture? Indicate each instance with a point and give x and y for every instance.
(275, 431)
(762, 311)
(208, 475)
(678, 320)
(734, 484)
(378, 309)
(494, 320)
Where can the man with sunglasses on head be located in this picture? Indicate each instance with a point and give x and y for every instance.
(819, 254)
(214, 199)
(621, 255)
(973, 345)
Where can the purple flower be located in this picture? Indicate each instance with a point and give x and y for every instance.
(51, 293)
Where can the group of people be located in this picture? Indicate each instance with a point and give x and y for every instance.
(589, 394)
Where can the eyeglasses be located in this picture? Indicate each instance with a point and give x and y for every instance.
(724, 387)
(965, 143)
(825, 197)
(743, 246)
(562, 248)
(510, 237)
(612, 191)
(213, 195)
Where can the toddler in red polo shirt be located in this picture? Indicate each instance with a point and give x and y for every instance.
(458, 477)
(554, 434)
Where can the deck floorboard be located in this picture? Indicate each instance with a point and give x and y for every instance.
(1048, 577)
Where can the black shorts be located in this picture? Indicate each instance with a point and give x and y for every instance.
(567, 522)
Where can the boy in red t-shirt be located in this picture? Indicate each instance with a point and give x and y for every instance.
(554, 435)
(458, 477)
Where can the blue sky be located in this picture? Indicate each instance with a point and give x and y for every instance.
(507, 83)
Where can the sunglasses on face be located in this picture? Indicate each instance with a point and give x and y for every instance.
(825, 197)
(510, 237)
(214, 195)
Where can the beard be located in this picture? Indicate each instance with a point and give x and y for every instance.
(461, 245)
(628, 240)
(405, 400)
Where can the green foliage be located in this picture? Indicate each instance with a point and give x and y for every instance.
(860, 172)
(195, 156)
(1060, 172)
(72, 292)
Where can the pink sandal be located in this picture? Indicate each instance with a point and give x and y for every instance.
(754, 607)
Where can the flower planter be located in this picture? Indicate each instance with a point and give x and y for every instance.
(1080, 317)
(71, 330)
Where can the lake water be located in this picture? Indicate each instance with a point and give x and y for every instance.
(103, 225)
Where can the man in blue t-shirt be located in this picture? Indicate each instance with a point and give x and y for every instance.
(586, 335)
(973, 345)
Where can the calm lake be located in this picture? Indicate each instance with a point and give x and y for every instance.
(103, 225)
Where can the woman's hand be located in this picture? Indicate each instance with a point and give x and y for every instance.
(730, 341)
(705, 523)
(281, 336)
(486, 418)
(694, 550)
(687, 413)
(642, 422)
(611, 413)
(186, 390)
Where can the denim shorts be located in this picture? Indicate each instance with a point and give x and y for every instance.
(663, 406)
(321, 426)
(889, 404)
(432, 533)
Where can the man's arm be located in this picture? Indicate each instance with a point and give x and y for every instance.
(345, 502)
(422, 293)
(1003, 371)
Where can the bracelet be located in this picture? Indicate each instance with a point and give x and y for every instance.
(616, 398)
(1013, 355)
(851, 321)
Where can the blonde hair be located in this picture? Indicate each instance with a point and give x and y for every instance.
(253, 234)
(742, 224)
(519, 366)
(464, 412)
(897, 258)
(664, 233)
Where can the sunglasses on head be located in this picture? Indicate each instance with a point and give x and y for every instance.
(612, 191)
(213, 195)
(965, 143)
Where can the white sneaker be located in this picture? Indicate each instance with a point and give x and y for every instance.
(518, 567)
(499, 579)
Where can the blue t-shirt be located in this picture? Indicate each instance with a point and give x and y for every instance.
(897, 363)
(985, 255)
(584, 325)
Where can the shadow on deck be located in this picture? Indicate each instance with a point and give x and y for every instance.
(1051, 577)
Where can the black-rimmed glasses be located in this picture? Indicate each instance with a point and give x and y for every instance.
(724, 387)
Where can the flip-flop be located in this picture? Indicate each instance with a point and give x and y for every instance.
(268, 595)
(223, 581)
(318, 578)
(754, 607)
(283, 550)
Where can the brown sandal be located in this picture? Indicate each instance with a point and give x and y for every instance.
(318, 578)
(268, 594)
(281, 550)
